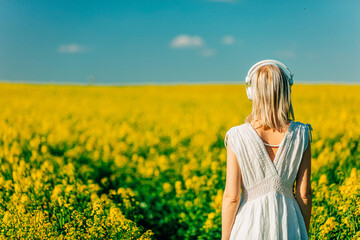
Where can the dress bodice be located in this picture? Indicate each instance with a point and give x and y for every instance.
(267, 208)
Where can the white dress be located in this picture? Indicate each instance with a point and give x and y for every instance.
(268, 209)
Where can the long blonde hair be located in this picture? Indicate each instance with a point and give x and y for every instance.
(271, 98)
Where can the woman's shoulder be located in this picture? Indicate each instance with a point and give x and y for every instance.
(236, 130)
(306, 129)
(237, 127)
(296, 124)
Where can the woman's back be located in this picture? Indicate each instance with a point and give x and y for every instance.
(268, 209)
(271, 138)
(265, 175)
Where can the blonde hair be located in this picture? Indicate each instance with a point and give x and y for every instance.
(271, 98)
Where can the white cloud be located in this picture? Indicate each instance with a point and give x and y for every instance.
(207, 52)
(228, 40)
(186, 41)
(193, 42)
(285, 54)
(71, 48)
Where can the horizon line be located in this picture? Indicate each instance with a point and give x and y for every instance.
(163, 83)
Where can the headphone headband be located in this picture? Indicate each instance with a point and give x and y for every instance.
(257, 65)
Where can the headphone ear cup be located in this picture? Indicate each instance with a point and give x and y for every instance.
(248, 92)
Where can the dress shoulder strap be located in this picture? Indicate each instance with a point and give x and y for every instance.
(230, 138)
(227, 138)
(233, 137)
(237, 139)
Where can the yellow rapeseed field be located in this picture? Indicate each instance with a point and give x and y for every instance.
(149, 162)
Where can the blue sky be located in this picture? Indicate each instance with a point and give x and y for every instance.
(177, 40)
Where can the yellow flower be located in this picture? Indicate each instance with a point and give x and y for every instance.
(44, 149)
(188, 183)
(115, 215)
(323, 180)
(217, 203)
(329, 225)
(167, 187)
(7, 218)
(209, 221)
(56, 193)
(178, 187)
(353, 174)
(342, 208)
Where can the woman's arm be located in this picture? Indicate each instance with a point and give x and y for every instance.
(303, 186)
(231, 197)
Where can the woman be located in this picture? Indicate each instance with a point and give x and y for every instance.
(265, 156)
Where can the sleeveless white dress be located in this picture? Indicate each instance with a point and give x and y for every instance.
(268, 209)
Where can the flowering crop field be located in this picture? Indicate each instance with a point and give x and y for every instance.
(149, 162)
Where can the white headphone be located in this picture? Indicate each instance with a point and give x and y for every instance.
(256, 66)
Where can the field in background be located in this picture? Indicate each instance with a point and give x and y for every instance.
(114, 162)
